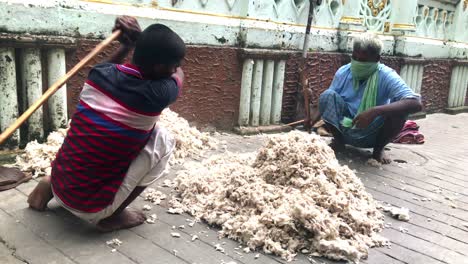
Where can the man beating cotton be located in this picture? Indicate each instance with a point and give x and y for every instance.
(114, 147)
(367, 103)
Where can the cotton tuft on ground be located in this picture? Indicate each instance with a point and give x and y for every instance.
(291, 196)
(190, 142)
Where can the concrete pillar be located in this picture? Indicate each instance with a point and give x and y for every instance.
(403, 14)
(58, 102)
(267, 87)
(278, 85)
(256, 93)
(8, 95)
(246, 87)
(32, 87)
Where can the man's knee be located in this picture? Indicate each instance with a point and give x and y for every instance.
(327, 97)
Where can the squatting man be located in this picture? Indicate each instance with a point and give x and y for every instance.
(367, 103)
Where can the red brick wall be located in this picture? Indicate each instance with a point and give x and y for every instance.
(436, 85)
(213, 79)
(211, 91)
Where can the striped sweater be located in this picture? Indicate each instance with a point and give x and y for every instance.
(114, 119)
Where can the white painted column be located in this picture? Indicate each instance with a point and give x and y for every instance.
(420, 78)
(246, 87)
(414, 76)
(403, 14)
(256, 93)
(8, 94)
(458, 87)
(453, 86)
(409, 76)
(465, 86)
(32, 85)
(267, 87)
(57, 102)
(462, 86)
(403, 73)
(458, 84)
(278, 86)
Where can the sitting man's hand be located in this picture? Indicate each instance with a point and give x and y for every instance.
(130, 29)
(365, 118)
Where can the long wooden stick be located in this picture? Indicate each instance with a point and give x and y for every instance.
(52, 89)
(303, 79)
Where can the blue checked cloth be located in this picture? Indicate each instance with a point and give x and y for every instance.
(333, 109)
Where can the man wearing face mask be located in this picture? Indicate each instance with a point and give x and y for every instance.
(367, 103)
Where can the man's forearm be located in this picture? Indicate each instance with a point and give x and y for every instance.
(119, 56)
(399, 108)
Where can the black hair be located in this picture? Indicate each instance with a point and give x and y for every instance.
(158, 44)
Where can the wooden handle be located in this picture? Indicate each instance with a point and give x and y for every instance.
(295, 123)
(52, 89)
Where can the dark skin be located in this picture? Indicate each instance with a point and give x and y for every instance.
(393, 113)
(122, 217)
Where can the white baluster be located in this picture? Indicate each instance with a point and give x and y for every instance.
(256, 93)
(8, 94)
(267, 86)
(57, 102)
(32, 87)
(246, 88)
(278, 86)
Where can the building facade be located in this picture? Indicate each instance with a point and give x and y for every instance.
(243, 55)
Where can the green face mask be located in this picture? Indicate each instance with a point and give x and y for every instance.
(362, 70)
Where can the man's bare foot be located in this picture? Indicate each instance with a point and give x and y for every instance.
(41, 195)
(381, 156)
(337, 146)
(126, 219)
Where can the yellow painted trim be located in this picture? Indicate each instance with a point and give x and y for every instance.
(404, 26)
(347, 19)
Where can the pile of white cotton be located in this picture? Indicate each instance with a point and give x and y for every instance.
(292, 196)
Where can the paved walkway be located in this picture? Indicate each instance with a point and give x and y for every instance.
(437, 231)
